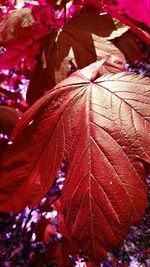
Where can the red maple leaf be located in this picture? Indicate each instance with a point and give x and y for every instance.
(100, 127)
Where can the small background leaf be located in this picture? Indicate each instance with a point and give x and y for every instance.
(37, 86)
(8, 118)
(28, 40)
(15, 19)
(137, 9)
(129, 46)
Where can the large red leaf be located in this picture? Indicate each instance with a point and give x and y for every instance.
(100, 127)
(104, 181)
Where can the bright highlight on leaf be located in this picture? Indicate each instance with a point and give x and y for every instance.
(100, 126)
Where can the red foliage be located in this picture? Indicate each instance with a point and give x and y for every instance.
(137, 9)
(96, 124)
(96, 120)
(28, 39)
(8, 118)
(116, 11)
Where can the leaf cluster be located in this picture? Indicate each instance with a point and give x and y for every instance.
(86, 110)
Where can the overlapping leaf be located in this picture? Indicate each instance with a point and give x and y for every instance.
(37, 85)
(128, 45)
(116, 11)
(8, 118)
(119, 31)
(81, 41)
(126, 41)
(100, 127)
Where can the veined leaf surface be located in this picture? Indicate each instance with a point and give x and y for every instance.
(100, 127)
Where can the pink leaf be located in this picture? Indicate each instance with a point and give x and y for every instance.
(14, 20)
(137, 9)
(28, 40)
